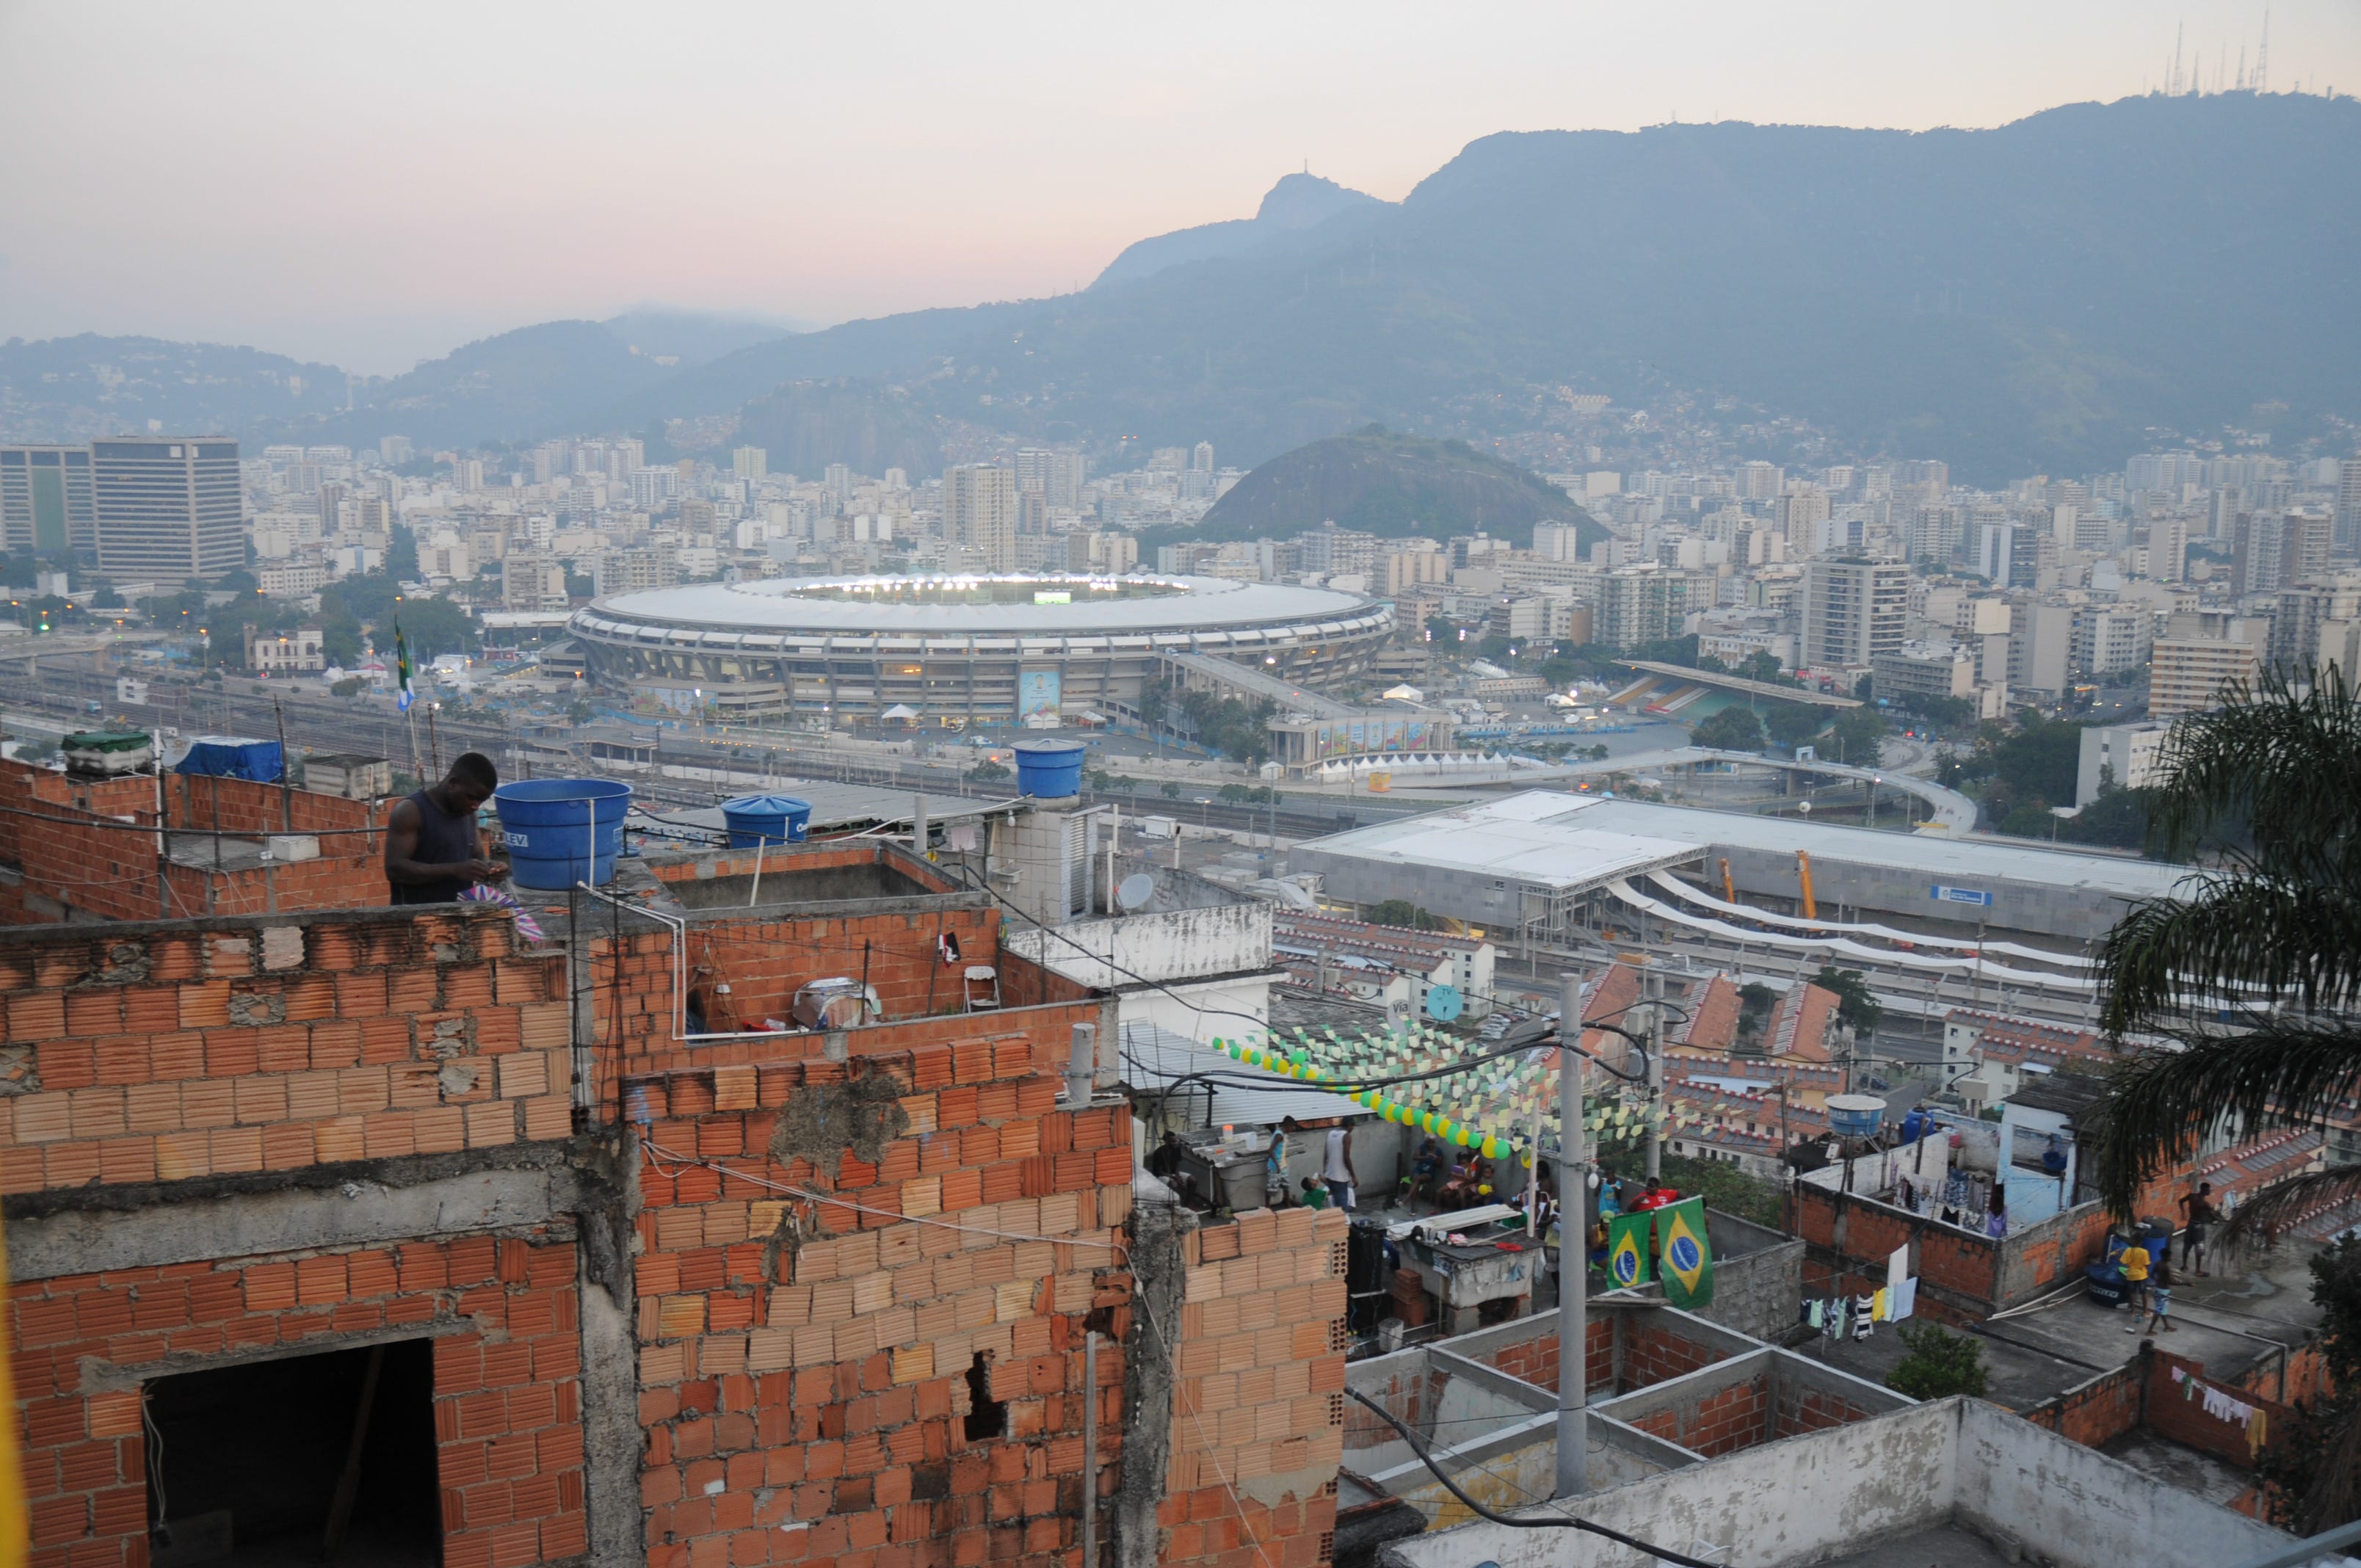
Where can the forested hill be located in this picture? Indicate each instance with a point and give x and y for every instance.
(1393, 485)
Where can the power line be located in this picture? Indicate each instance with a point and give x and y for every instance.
(1560, 1521)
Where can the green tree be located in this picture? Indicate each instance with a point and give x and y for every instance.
(349, 687)
(1857, 1007)
(1856, 736)
(2254, 967)
(1403, 911)
(2254, 970)
(1940, 1364)
(1724, 1187)
(2308, 1471)
(431, 625)
(1168, 789)
(401, 553)
(1792, 723)
(987, 771)
(1734, 729)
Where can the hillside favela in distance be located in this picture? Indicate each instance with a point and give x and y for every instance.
(1332, 786)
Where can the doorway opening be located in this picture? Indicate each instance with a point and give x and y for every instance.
(310, 1459)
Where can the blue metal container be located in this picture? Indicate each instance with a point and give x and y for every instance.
(561, 831)
(1855, 1115)
(1049, 770)
(766, 820)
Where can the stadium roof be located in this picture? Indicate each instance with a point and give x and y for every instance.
(841, 605)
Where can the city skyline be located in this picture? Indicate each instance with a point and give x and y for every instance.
(440, 191)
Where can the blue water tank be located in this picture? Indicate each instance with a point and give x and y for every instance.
(561, 831)
(1049, 770)
(766, 820)
(1913, 1126)
(1855, 1115)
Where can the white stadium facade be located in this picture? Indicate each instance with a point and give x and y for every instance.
(983, 647)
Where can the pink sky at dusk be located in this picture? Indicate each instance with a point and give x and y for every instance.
(373, 184)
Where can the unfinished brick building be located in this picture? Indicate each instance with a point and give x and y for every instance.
(381, 1224)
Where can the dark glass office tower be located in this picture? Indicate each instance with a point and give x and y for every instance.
(46, 503)
(168, 507)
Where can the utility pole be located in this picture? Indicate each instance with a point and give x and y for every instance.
(1573, 1250)
(1654, 983)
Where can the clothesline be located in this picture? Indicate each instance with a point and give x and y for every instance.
(2224, 1406)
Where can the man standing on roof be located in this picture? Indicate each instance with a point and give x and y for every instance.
(434, 850)
(1336, 1167)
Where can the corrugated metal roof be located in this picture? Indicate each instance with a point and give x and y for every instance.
(1154, 1057)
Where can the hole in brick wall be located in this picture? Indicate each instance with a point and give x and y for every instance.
(986, 1417)
(245, 1463)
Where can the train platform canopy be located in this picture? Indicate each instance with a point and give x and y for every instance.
(1925, 857)
(1516, 860)
(1538, 838)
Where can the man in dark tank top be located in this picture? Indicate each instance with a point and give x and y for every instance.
(433, 851)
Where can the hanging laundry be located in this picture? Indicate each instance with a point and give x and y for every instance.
(1877, 1308)
(1863, 1313)
(1905, 1298)
(2255, 1433)
(1897, 1266)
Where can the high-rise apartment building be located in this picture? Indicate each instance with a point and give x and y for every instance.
(2110, 638)
(1055, 476)
(46, 502)
(167, 508)
(1927, 478)
(1853, 610)
(1202, 458)
(2348, 507)
(1760, 481)
(750, 462)
(2187, 675)
(979, 512)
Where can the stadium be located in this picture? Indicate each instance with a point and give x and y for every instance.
(997, 648)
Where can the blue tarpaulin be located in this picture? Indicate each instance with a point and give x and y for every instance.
(231, 756)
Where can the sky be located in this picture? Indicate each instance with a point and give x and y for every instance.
(373, 185)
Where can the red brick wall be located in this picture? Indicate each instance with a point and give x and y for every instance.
(639, 1029)
(158, 1054)
(1802, 1408)
(97, 868)
(804, 1365)
(1655, 1352)
(1535, 1359)
(507, 1389)
(2097, 1412)
(1723, 1421)
(1257, 1393)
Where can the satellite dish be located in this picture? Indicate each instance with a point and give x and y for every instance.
(1444, 1002)
(1135, 889)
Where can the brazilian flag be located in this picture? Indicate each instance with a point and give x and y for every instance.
(1687, 1254)
(1627, 1249)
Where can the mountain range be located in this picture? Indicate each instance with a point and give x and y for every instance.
(2041, 297)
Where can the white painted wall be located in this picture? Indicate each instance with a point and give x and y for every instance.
(1807, 1498)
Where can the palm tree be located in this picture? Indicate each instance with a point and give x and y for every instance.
(2252, 977)
(2253, 969)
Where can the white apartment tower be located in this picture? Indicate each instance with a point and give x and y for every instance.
(979, 512)
(168, 509)
(1853, 610)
